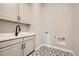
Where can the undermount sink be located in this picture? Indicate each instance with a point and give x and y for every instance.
(25, 33)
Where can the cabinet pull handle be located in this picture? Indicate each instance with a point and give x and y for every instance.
(19, 18)
(22, 47)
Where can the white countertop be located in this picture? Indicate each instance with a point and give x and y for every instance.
(9, 36)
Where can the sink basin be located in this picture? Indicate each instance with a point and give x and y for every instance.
(25, 33)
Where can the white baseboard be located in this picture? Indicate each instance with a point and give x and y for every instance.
(57, 48)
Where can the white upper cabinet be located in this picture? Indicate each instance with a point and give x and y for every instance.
(18, 12)
(8, 11)
(25, 12)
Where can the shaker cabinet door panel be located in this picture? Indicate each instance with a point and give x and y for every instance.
(9, 11)
(14, 50)
(25, 12)
(29, 45)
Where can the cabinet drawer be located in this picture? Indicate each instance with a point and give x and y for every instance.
(10, 42)
(29, 38)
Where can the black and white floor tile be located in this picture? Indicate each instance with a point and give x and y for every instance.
(48, 51)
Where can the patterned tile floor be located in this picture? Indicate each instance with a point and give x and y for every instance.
(48, 51)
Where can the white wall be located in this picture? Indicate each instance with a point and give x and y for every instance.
(10, 27)
(75, 28)
(36, 23)
(57, 21)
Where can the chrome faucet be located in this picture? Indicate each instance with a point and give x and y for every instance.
(18, 29)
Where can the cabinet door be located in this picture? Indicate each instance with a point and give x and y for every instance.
(8, 11)
(25, 12)
(29, 45)
(14, 50)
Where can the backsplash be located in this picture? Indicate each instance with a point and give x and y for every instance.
(10, 27)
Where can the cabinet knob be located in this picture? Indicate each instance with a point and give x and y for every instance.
(24, 45)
